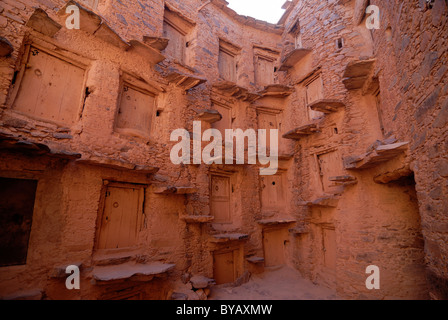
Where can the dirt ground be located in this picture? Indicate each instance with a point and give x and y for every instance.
(280, 284)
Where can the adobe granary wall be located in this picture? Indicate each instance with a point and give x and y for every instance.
(86, 177)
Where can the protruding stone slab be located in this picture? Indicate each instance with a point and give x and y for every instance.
(158, 43)
(325, 202)
(197, 219)
(371, 159)
(210, 116)
(357, 73)
(299, 231)
(302, 132)
(174, 190)
(151, 54)
(255, 260)
(201, 282)
(131, 271)
(233, 90)
(294, 57)
(41, 22)
(275, 222)
(117, 164)
(107, 34)
(183, 80)
(89, 21)
(327, 105)
(219, 238)
(276, 91)
(6, 47)
(344, 180)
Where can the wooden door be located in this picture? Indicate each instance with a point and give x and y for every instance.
(272, 196)
(224, 267)
(267, 121)
(330, 166)
(225, 122)
(274, 247)
(177, 44)
(51, 88)
(264, 72)
(314, 93)
(121, 217)
(227, 66)
(136, 110)
(329, 247)
(220, 199)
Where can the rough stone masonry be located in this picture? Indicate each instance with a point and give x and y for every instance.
(85, 122)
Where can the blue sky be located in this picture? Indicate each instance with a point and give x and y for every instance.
(266, 10)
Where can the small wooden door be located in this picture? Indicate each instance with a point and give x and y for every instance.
(224, 267)
(220, 199)
(51, 88)
(274, 247)
(330, 166)
(227, 66)
(272, 197)
(314, 92)
(267, 121)
(264, 71)
(136, 110)
(225, 122)
(329, 247)
(177, 44)
(121, 219)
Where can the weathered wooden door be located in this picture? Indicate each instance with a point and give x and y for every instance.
(177, 44)
(274, 247)
(272, 196)
(314, 93)
(267, 121)
(329, 247)
(51, 88)
(227, 66)
(220, 199)
(136, 110)
(121, 217)
(264, 71)
(330, 166)
(224, 267)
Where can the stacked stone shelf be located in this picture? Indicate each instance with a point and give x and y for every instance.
(184, 80)
(275, 222)
(13, 143)
(373, 158)
(294, 57)
(276, 91)
(94, 24)
(42, 23)
(344, 180)
(197, 219)
(227, 237)
(174, 190)
(235, 91)
(146, 51)
(117, 164)
(357, 73)
(302, 132)
(130, 272)
(255, 260)
(210, 116)
(327, 106)
(158, 43)
(330, 201)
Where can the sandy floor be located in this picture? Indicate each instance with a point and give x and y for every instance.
(282, 284)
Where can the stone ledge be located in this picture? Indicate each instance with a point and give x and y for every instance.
(42, 23)
(130, 271)
(235, 91)
(255, 260)
(302, 132)
(183, 80)
(325, 202)
(219, 238)
(276, 91)
(371, 159)
(327, 106)
(294, 57)
(174, 190)
(117, 164)
(197, 219)
(357, 73)
(210, 116)
(275, 222)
